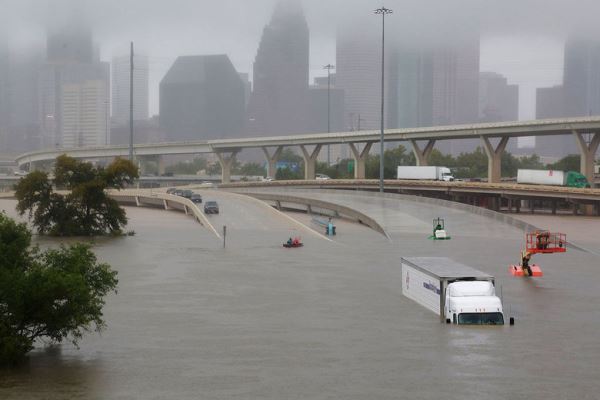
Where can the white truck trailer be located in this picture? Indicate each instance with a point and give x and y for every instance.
(425, 173)
(552, 178)
(457, 293)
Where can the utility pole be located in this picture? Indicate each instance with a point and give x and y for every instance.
(131, 104)
(383, 11)
(329, 67)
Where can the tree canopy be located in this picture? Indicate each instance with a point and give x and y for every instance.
(85, 209)
(56, 295)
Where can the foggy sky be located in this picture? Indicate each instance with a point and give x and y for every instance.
(521, 39)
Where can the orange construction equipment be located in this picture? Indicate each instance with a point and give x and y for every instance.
(545, 242)
(538, 242)
(517, 270)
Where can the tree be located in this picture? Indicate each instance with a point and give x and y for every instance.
(57, 294)
(392, 158)
(569, 163)
(250, 169)
(187, 167)
(86, 209)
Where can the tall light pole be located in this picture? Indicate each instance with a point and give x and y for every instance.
(131, 104)
(383, 11)
(329, 67)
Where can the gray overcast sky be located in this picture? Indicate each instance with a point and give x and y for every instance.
(521, 39)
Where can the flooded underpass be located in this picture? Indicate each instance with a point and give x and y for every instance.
(195, 320)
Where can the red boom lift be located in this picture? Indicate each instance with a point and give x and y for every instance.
(538, 242)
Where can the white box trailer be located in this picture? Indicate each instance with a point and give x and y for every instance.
(552, 178)
(425, 173)
(456, 292)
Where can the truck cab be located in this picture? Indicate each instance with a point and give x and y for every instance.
(576, 179)
(445, 174)
(473, 303)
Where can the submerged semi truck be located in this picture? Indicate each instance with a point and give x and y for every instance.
(458, 293)
(425, 173)
(552, 178)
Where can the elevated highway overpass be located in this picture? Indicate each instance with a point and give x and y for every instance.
(493, 136)
(495, 196)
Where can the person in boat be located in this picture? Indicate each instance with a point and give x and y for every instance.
(438, 227)
(290, 242)
(296, 241)
(330, 227)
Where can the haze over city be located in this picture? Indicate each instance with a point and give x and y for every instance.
(447, 63)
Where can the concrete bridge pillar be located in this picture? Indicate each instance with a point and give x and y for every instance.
(160, 165)
(588, 153)
(310, 161)
(272, 160)
(226, 163)
(422, 155)
(494, 155)
(360, 159)
(588, 158)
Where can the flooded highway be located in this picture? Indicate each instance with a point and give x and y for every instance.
(192, 320)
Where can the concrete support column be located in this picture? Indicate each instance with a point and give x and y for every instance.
(422, 155)
(272, 160)
(310, 161)
(226, 163)
(360, 159)
(494, 158)
(588, 153)
(160, 165)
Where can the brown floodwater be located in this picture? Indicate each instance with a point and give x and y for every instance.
(192, 320)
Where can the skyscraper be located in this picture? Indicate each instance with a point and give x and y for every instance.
(278, 104)
(202, 97)
(4, 98)
(456, 83)
(410, 96)
(74, 87)
(498, 101)
(358, 74)
(582, 77)
(121, 92)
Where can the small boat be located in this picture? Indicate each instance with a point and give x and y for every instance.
(295, 243)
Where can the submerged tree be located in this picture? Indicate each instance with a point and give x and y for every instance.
(85, 209)
(53, 295)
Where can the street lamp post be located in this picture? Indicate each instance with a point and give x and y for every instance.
(383, 11)
(329, 67)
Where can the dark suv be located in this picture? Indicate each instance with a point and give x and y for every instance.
(196, 198)
(211, 207)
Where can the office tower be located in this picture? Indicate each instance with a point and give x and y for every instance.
(201, 97)
(456, 83)
(410, 85)
(4, 97)
(85, 108)
(319, 118)
(358, 74)
(581, 79)
(550, 104)
(498, 101)
(71, 43)
(247, 87)
(121, 89)
(74, 86)
(278, 104)
(58, 80)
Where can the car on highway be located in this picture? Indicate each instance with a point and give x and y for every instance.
(211, 207)
(196, 198)
(267, 179)
(186, 193)
(171, 190)
(322, 177)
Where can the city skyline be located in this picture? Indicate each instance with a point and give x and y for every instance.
(505, 52)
